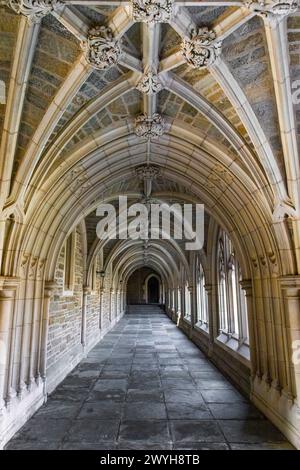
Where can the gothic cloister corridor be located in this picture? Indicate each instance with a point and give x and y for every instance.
(149, 159)
(147, 386)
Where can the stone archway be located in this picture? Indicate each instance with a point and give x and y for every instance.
(153, 289)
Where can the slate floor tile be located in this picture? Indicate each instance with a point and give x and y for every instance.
(149, 410)
(149, 431)
(196, 431)
(146, 386)
(183, 411)
(104, 409)
(93, 431)
(251, 431)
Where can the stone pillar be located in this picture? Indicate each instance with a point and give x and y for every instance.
(246, 285)
(86, 292)
(193, 304)
(209, 290)
(290, 288)
(175, 305)
(101, 290)
(48, 292)
(101, 307)
(111, 296)
(8, 287)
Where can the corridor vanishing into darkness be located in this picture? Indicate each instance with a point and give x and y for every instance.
(147, 386)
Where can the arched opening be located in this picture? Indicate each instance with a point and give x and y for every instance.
(143, 287)
(153, 290)
(154, 126)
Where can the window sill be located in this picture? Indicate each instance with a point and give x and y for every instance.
(232, 344)
(203, 328)
(187, 320)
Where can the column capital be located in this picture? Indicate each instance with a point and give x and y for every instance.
(208, 288)
(49, 288)
(290, 285)
(9, 282)
(246, 285)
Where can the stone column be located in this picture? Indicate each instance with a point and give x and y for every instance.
(101, 303)
(193, 304)
(111, 296)
(290, 288)
(86, 292)
(8, 287)
(209, 290)
(246, 285)
(48, 292)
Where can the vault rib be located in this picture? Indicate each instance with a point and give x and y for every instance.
(21, 67)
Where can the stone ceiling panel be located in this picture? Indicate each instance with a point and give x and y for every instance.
(293, 25)
(246, 53)
(9, 24)
(56, 52)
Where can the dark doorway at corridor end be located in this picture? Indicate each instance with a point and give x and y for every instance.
(144, 287)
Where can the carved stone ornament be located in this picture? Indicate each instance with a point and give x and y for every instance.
(147, 172)
(277, 8)
(152, 11)
(101, 48)
(149, 84)
(34, 10)
(202, 49)
(146, 126)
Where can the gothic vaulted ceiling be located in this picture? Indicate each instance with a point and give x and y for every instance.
(78, 74)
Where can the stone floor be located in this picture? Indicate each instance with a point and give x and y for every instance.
(146, 386)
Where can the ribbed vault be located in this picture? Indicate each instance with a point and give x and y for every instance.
(201, 91)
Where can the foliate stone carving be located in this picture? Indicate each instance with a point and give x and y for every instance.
(40, 268)
(102, 50)
(202, 49)
(146, 126)
(152, 11)
(33, 267)
(24, 265)
(270, 8)
(34, 10)
(150, 83)
(147, 172)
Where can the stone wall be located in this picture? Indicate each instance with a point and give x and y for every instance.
(66, 344)
(65, 316)
(92, 310)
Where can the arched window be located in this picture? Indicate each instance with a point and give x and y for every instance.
(202, 303)
(231, 298)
